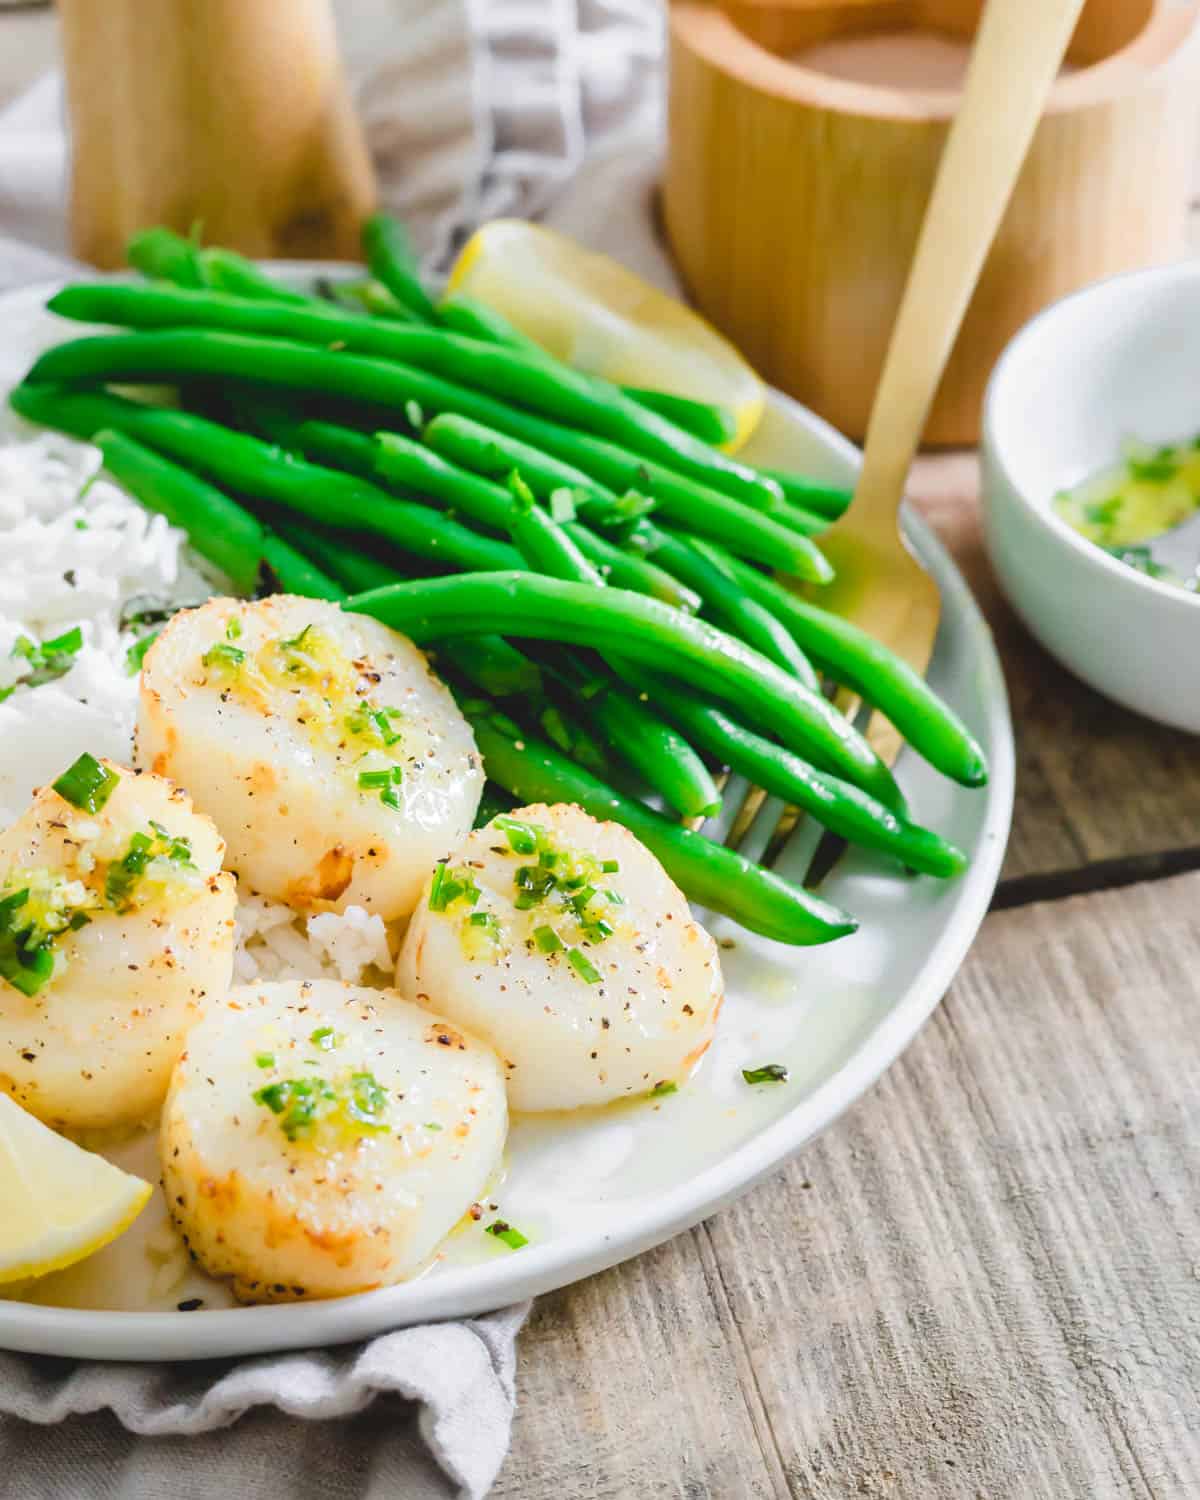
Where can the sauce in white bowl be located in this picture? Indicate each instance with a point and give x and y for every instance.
(1118, 358)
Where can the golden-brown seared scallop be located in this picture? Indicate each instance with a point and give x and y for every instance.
(321, 1139)
(116, 929)
(334, 762)
(564, 943)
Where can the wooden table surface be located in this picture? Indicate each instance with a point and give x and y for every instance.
(984, 1281)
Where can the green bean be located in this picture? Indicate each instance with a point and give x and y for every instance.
(627, 570)
(420, 470)
(807, 522)
(703, 420)
(385, 385)
(851, 656)
(528, 380)
(389, 253)
(476, 447)
(659, 637)
(354, 569)
(731, 609)
(499, 669)
(486, 451)
(288, 571)
(475, 319)
(810, 495)
(660, 756)
(251, 467)
(542, 542)
(364, 294)
(495, 667)
(226, 271)
(164, 255)
(218, 529)
(416, 472)
(707, 873)
(837, 805)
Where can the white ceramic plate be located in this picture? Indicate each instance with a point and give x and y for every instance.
(593, 1189)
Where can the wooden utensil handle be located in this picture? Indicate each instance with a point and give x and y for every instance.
(1018, 51)
(232, 113)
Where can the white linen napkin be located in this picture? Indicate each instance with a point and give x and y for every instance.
(472, 108)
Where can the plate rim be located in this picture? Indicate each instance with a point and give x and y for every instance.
(465, 1292)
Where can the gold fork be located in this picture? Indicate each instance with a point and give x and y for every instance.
(879, 584)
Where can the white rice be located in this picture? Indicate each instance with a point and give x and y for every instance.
(75, 550)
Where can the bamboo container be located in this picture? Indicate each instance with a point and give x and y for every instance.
(231, 114)
(792, 198)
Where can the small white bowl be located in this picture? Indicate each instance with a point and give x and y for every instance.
(1118, 359)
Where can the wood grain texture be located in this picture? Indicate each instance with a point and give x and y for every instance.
(985, 1281)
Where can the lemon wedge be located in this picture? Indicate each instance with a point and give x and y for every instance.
(590, 312)
(61, 1203)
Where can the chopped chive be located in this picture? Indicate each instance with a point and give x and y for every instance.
(583, 965)
(223, 655)
(562, 505)
(233, 629)
(324, 1037)
(610, 866)
(265, 1060)
(547, 940)
(374, 778)
(66, 644)
(522, 837)
(87, 784)
(136, 654)
(436, 901)
(432, 1125)
(513, 1238)
(663, 1087)
(390, 798)
(768, 1073)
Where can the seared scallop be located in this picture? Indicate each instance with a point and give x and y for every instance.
(333, 761)
(564, 943)
(321, 1139)
(116, 930)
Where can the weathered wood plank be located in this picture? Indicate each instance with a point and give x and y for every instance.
(635, 1383)
(1095, 782)
(985, 1281)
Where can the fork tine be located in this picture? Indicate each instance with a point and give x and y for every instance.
(761, 830)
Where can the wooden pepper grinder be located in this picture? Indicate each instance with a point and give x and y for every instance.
(228, 114)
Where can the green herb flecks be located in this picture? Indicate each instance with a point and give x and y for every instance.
(583, 966)
(501, 1230)
(47, 661)
(385, 783)
(136, 654)
(349, 1105)
(86, 784)
(768, 1073)
(224, 659)
(452, 886)
(37, 907)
